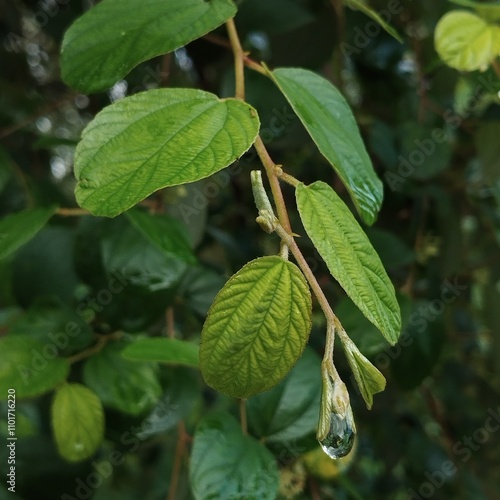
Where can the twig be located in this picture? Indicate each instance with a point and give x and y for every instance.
(176, 469)
(243, 416)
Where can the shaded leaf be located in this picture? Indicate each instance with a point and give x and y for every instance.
(17, 229)
(291, 409)
(113, 37)
(164, 350)
(125, 385)
(28, 367)
(164, 232)
(366, 9)
(239, 466)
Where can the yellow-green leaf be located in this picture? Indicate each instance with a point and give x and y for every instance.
(77, 422)
(466, 42)
(256, 328)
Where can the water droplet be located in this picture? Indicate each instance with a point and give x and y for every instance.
(340, 438)
(336, 428)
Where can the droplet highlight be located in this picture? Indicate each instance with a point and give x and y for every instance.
(340, 438)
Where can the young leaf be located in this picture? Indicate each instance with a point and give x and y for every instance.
(256, 328)
(487, 10)
(29, 367)
(166, 233)
(466, 42)
(156, 139)
(330, 122)
(289, 410)
(113, 37)
(77, 421)
(17, 229)
(349, 256)
(164, 350)
(128, 386)
(366, 9)
(369, 379)
(239, 466)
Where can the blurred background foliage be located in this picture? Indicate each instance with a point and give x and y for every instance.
(438, 235)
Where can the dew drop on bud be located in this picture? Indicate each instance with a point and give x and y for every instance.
(340, 438)
(336, 428)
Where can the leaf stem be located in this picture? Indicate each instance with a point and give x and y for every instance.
(176, 469)
(102, 340)
(243, 416)
(72, 212)
(239, 66)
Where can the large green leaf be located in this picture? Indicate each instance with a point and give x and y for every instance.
(466, 42)
(162, 349)
(330, 122)
(17, 229)
(349, 256)
(29, 367)
(128, 386)
(110, 39)
(156, 139)
(77, 421)
(227, 465)
(291, 409)
(256, 328)
(370, 12)
(165, 232)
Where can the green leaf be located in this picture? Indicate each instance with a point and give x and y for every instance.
(366, 9)
(156, 139)
(125, 385)
(164, 350)
(164, 232)
(488, 10)
(291, 409)
(466, 42)
(127, 252)
(239, 466)
(77, 421)
(369, 379)
(27, 366)
(330, 122)
(256, 328)
(349, 256)
(55, 324)
(110, 39)
(17, 229)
